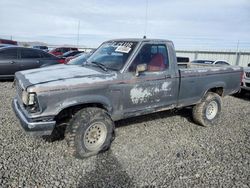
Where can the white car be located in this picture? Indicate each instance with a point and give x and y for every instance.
(245, 85)
(210, 62)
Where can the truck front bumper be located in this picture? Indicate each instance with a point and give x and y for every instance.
(30, 126)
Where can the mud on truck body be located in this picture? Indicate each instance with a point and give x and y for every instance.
(122, 78)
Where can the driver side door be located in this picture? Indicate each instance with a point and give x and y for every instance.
(153, 89)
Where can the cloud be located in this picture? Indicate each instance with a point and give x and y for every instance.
(182, 21)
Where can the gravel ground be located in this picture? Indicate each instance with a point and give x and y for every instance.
(162, 149)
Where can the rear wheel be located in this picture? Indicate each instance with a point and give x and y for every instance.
(208, 111)
(89, 132)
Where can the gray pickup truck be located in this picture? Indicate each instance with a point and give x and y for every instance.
(122, 78)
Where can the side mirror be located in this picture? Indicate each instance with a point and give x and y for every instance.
(140, 68)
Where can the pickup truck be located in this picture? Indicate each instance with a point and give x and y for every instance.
(123, 78)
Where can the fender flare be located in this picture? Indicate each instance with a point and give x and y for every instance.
(86, 99)
(212, 86)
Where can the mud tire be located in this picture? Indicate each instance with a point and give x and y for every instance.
(201, 113)
(82, 122)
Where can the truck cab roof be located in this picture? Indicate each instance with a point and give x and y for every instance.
(140, 40)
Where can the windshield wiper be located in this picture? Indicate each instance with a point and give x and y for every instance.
(102, 66)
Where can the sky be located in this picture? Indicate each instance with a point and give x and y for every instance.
(190, 24)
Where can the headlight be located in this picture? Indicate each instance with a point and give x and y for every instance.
(28, 98)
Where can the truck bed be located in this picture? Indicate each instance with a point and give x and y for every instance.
(207, 76)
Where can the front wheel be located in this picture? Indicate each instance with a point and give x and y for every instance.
(208, 111)
(89, 132)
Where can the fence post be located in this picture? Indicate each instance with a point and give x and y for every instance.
(237, 58)
(196, 55)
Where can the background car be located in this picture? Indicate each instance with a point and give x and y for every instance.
(245, 85)
(44, 48)
(6, 45)
(183, 59)
(61, 50)
(80, 59)
(210, 62)
(70, 53)
(7, 41)
(13, 59)
(67, 59)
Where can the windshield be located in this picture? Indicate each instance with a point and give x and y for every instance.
(41, 47)
(67, 53)
(44, 47)
(113, 55)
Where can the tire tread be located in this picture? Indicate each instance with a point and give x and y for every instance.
(81, 118)
(198, 109)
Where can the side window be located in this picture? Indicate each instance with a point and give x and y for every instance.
(154, 55)
(30, 54)
(8, 54)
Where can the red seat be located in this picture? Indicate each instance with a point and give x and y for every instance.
(156, 63)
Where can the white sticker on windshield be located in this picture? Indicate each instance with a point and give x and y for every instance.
(123, 49)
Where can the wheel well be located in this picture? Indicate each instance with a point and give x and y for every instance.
(218, 90)
(67, 113)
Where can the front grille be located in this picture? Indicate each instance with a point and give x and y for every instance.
(247, 74)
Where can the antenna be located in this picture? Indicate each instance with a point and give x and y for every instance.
(146, 19)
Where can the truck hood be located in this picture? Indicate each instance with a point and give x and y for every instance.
(59, 77)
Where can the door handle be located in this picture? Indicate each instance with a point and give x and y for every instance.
(12, 62)
(38, 61)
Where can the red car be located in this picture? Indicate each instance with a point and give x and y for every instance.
(61, 50)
